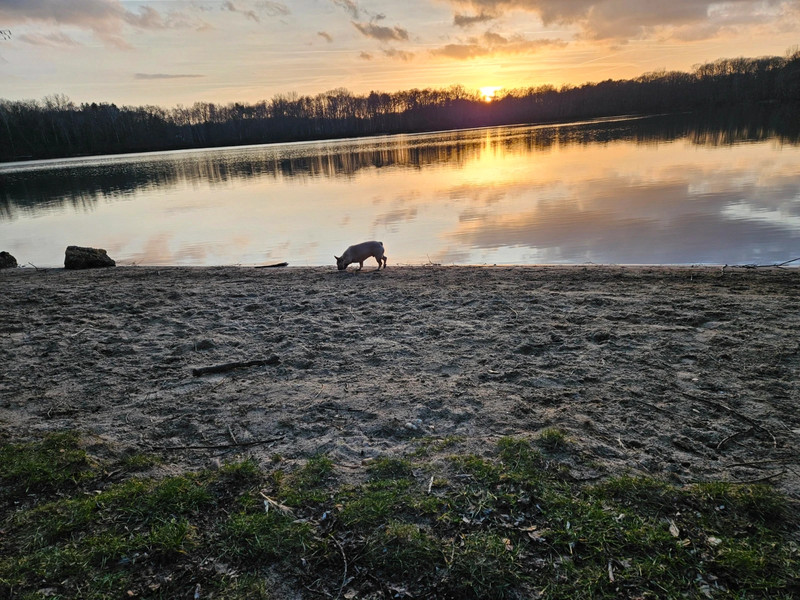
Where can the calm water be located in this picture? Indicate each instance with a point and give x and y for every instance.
(635, 191)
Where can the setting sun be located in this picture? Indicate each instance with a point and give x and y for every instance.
(488, 92)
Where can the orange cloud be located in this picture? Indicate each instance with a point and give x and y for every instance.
(620, 20)
(491, 43)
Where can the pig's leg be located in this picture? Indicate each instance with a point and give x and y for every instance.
(360, 265)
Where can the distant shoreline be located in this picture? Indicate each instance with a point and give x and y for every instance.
(65, 129)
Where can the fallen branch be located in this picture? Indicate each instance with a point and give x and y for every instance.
(786, 262)
(734, 412)
(272, 360)
(772, 266)
(220, 446)
(281, 264)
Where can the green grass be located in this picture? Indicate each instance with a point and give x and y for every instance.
(54, 464)
(502, 525)
(553, 440)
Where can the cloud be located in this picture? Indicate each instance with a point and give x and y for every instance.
(399, 54)
(265, 7)
(273, 9)
(52, 39)
(350, 7)
(250, 14)
(99, 15)
(381, 33)
(166, 76)
(104, 18)
(460, 20)
(146, 18)
(491, 43)
(621, 20)
(325, 36)
(365, 56)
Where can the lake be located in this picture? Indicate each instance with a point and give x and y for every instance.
(658, 190)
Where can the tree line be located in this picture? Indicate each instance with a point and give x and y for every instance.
(57, 127)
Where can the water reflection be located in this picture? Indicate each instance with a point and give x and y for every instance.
(656, 190)
(78, 183)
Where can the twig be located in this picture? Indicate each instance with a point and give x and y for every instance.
(653, 406)
(431, 263)
(344, 558)
(760, 479)
(734, 412)
(733, 435)
(274, 503)
(281, 264)
(220, 446)
(233, 437)
(755, 463)
(746, 481)
(272, 360)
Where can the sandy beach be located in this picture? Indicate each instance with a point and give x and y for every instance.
(689, 374)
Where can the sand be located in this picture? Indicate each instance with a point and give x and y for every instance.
(688, 374)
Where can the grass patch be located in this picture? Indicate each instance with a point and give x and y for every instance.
(307, 485)
(390, 468)
(54, 464)
(553, 439)
(426, 446)
(140, 462)
(503, 525)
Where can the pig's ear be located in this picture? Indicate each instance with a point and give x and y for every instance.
(336, 257)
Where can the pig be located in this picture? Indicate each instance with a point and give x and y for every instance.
(359, 253)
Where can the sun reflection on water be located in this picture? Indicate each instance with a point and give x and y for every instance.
(605, 193)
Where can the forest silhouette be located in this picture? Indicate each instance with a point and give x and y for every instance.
(57, 127)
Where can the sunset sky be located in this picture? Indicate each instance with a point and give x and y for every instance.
(182, 51)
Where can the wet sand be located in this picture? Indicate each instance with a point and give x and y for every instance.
(690, 374)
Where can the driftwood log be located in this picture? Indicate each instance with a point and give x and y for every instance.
(224, 368)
